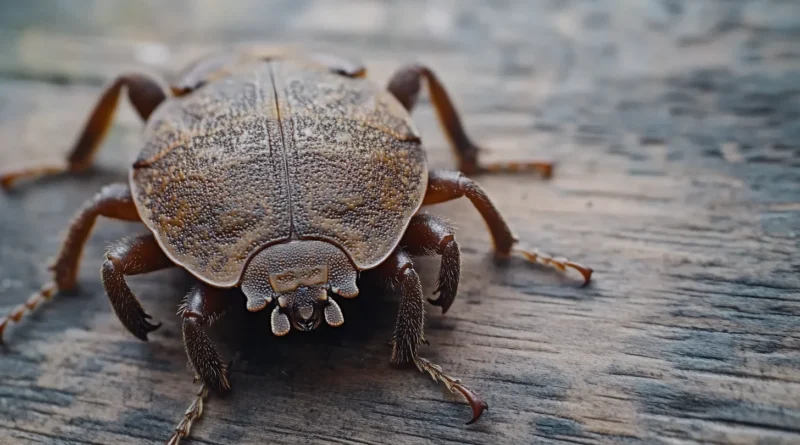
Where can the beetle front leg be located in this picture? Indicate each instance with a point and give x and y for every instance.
(444, 185)
(405, 85)
(410, 326)
(203, 307)
(132, 257)
(144, 93)
(428, 234)
(113, 201)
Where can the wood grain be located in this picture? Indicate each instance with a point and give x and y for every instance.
(676, 128)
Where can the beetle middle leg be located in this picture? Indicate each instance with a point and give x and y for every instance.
(405, 85)
(444, 185)
(410, 326)
(428, 234)
(145, 94)
(113, 201)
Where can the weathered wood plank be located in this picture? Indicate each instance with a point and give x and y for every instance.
(676, 129)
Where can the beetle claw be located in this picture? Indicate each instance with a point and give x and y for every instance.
(142, 327)
(477, 404)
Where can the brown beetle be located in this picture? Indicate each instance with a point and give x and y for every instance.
(284, 175)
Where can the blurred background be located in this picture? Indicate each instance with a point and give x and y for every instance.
(515, 64)
(675, 125)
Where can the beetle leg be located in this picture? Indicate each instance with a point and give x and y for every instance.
(444, 185)
(132, 257)
(144, 93)
(431, 235)
(410, 325)
(405, 86)
(203, 307)
(113, 201)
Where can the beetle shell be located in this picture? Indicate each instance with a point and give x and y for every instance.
(278, 150)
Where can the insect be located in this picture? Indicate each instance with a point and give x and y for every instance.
(283, 175)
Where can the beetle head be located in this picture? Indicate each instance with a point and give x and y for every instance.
(299, 275)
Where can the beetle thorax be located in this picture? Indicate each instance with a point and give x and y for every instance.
(298, 275)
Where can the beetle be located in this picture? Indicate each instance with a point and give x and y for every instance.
(284, 175)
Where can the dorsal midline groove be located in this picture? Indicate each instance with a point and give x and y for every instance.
(292, 233)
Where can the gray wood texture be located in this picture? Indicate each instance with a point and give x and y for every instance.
(676, 128)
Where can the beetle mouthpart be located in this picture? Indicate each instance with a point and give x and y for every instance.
(280, 323)
(333, 314)
(283, 301)
(306, 312)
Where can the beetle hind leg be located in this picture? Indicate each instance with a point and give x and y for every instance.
(144, 93)
(406, 84)
(409, 328)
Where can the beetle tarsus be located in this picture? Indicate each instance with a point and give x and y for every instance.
(537, 257)
(44, 294)
(9, 178)
(192, 413)
(544, 168)
(477, 404)
(195, 410)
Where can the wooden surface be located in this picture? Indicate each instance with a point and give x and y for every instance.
(676, 125)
